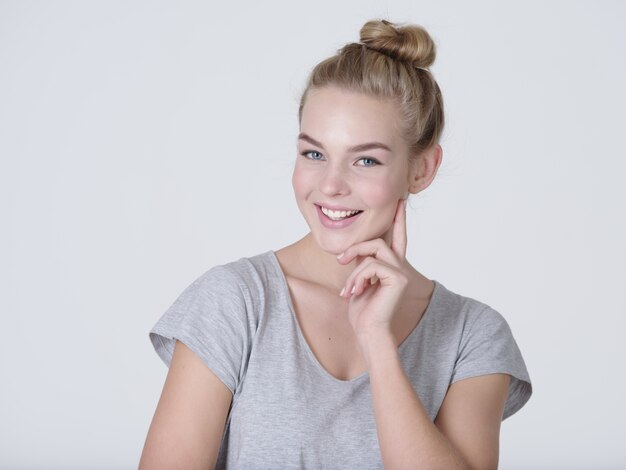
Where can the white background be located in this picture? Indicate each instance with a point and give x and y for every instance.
(143, 142)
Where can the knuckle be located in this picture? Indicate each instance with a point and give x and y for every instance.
(369, 261)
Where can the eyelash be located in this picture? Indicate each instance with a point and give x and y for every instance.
(375, 162)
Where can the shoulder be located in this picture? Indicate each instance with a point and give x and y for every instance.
(468, 324)
(484, 344)
(233, 288)
(246, 275)
(462, 311)
(217, 317)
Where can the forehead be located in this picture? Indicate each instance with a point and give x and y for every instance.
(340, 116)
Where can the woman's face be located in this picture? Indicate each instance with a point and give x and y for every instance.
(352, 161)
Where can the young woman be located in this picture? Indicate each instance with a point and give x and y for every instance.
(335, 352)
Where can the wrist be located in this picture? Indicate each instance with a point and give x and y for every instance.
(377, 346)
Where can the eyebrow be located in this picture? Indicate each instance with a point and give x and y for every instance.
(356, 148)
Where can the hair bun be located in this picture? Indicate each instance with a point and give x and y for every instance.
(410, 43)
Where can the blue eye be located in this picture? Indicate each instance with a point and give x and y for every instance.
(307, 153)
(368, 162)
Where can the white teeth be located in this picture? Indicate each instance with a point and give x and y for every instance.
(337, 215)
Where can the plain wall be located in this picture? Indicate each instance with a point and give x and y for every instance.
(143, 142)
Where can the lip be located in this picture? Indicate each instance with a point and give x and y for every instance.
(335, 224)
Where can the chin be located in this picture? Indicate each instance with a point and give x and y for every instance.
(341, 244)
(332, 248)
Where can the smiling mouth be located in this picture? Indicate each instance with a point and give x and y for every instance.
(339, 215)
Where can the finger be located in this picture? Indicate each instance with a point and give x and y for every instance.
(398, 239)
(349, 286)
(386, 274)
(376, 248)
(364, 275)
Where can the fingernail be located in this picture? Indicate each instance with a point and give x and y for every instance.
(353, 289)
(340, 255)
(342, 291)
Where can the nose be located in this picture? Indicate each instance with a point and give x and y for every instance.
(333, 181)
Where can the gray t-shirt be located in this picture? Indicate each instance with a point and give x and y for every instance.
(287, 410)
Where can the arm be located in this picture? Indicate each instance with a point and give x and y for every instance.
(407, 437)
(189, 421)
(470, 417)
(467, 431)
(465, 434)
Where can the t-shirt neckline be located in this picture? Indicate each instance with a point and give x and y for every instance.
(304, 343)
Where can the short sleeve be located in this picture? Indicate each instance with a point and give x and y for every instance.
(211, 318)
(488, 347)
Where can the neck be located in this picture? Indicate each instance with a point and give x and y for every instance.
(316, 265)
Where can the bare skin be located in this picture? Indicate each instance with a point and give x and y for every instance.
(323, 315)
(188, 423)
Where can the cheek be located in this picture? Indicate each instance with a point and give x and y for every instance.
(301, 182)
(298, 180)
(382, 194)
(383, 198)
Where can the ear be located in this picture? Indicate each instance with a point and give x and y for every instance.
(424, 168)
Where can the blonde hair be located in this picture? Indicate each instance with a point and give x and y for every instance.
(390, 62)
